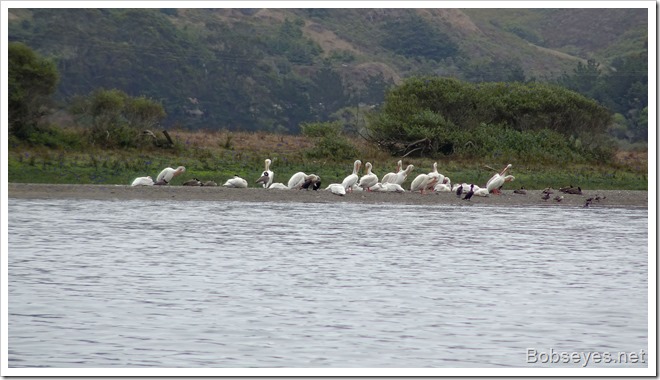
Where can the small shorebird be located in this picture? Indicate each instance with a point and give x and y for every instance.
(520, 191)
(192, 182)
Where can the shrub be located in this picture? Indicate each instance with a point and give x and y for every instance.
(31, 79)
(115, 119)
(433, 115)
(329, 141)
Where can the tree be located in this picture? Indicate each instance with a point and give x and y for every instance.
(32, 80)
(430, 114)
(116, 119)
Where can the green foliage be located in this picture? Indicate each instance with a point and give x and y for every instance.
(413, 36)
(290, 42)
(493, 71)
(32, 80)
(247, 74)
(321, 130)
(329, 141)
(115, 119)
(624, 89)
(431, 115)
(56, 138)
(143, 112)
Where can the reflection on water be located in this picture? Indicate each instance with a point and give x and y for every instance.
(204, 284)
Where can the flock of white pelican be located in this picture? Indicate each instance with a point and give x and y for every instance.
(433, 181)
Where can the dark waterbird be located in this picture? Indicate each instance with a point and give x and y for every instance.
(459, 191)
(571, 190)
(520, 191)
(192, 182)
(469, 193)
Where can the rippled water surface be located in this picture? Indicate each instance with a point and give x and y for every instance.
(210, 284)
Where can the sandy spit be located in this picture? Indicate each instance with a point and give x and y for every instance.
(611, 198)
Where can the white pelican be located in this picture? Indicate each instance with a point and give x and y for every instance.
(435, 174)
(356, 187)
(496, 181)
(267, 177)
(336, 188)
(481, 192)
(143, 181)
(442, 188)
(237, 182)
(379, 187)
(297, 180)
(168, 173)
(403, 174)
(391, 177)
(422, 182)
(352, 179)
(388, 188)
(277, 186)
(369, 179)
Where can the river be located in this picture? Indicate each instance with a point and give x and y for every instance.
(115, 284)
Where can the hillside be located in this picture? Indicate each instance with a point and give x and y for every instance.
(271, 69)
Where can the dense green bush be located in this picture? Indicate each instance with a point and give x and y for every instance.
(434, 115)
(329, 141)
(32, 79)
(115, 119)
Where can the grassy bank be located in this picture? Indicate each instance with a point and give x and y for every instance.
(219, 155)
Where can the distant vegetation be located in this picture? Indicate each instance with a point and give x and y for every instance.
(32, 81)
(441, 116)
(270, 70)
(105, 118)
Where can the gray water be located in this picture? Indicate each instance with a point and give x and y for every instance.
(231, 284)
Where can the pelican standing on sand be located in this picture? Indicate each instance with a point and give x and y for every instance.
(166, 176)
(143, 181)
(403, 174)
(436, 173)
(495, 182)
(353, 178)
(236, 182)
(369, 179)
(391, 177)
(267, 176)
(423, 182)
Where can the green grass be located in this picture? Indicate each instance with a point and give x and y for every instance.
(207, 158)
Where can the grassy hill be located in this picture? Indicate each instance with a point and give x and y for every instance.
(271, 69)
